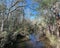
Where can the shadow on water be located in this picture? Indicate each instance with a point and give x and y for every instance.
(32, 43)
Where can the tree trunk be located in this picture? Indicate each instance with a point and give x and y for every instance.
(2, 25)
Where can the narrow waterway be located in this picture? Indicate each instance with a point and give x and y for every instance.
(33, 43)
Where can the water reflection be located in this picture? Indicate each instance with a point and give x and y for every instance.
(32, 38)
(34, 43)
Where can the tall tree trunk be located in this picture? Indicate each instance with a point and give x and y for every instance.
(2, 25)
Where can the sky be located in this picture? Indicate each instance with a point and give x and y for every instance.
(29, 10)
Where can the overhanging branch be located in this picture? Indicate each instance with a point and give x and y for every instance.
(16, 9)
(14, 4)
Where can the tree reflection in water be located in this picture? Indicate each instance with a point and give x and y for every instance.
(34, 43)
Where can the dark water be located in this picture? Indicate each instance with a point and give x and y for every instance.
(33, 43)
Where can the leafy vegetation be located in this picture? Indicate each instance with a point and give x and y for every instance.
(16, 27)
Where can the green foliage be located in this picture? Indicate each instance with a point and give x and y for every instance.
(47, 3)
(2, 7)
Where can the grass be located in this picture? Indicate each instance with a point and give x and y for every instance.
(52, 38)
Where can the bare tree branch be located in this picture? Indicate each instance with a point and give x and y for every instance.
(14, 4)
(16, 9)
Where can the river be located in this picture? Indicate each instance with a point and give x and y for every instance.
(33, 43)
